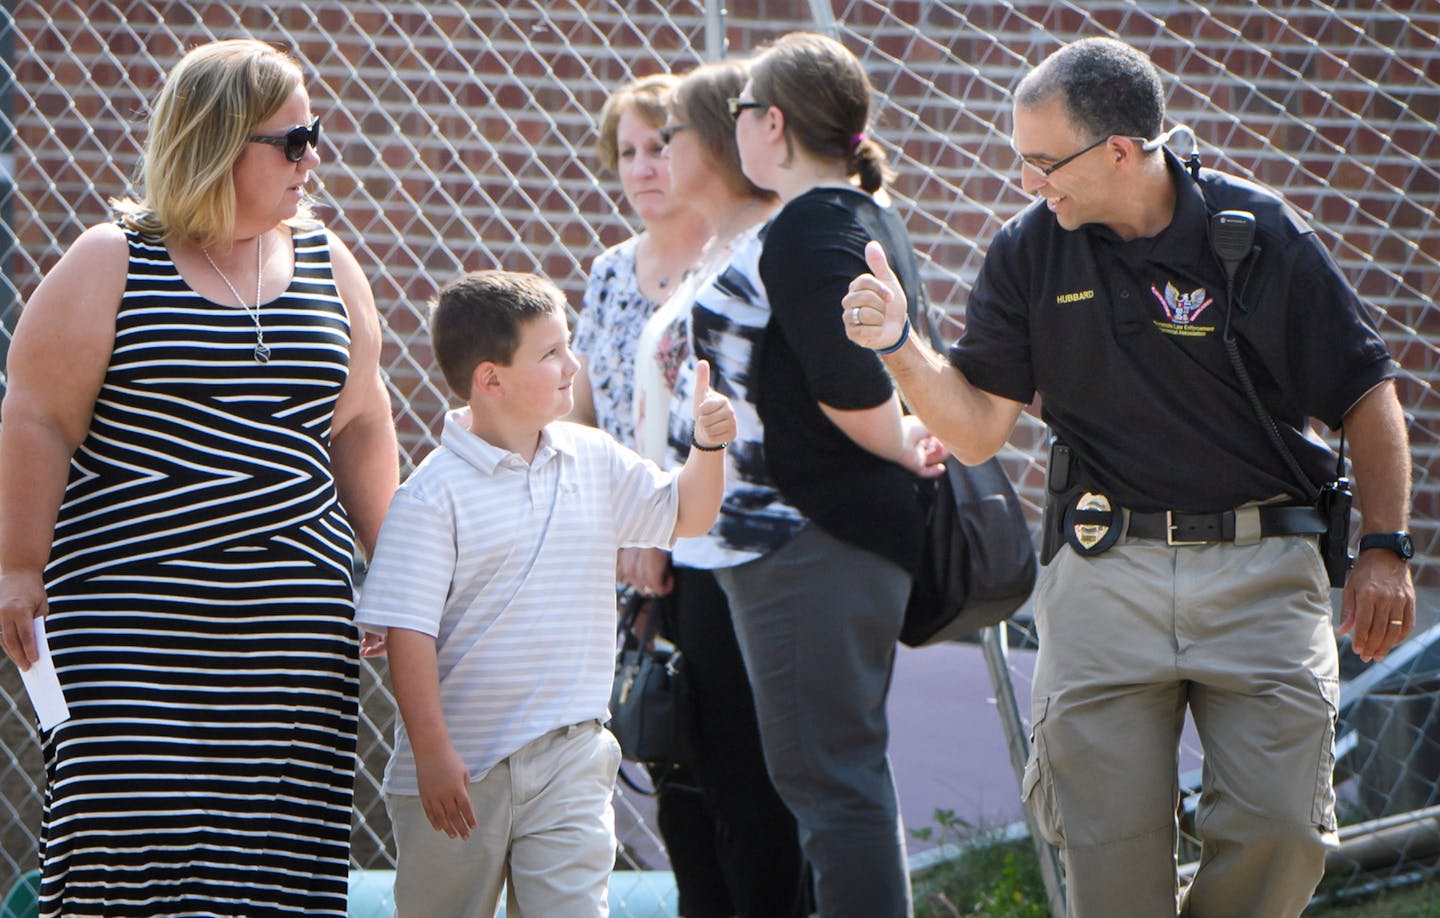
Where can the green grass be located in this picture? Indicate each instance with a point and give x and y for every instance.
(995, 878)
(998, 879)
(1411, 902)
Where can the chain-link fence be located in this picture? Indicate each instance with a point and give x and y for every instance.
(460, 135)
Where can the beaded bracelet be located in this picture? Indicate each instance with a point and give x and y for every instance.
(904, 336)
(707, 449)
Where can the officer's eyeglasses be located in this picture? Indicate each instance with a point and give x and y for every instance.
(1056, 166)
(1147, 145)
(294, 141)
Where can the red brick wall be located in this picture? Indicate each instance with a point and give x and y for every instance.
(457, 141)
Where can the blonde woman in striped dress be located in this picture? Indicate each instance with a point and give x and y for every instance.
(195, 412)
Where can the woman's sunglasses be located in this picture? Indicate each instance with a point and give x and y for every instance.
(293, 141)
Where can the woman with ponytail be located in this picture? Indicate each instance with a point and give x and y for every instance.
(817, 618)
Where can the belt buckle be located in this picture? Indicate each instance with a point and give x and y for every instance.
(1170, 527)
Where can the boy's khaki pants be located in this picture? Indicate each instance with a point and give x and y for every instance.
(545, 825)
(1242, 635)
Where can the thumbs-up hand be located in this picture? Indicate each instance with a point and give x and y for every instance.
(875, 307)
(714, 417)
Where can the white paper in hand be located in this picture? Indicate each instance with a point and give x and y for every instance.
(43, 685)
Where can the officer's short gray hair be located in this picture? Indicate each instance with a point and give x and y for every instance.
(1107, 86)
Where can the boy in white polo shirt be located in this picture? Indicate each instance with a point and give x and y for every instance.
(495, 577)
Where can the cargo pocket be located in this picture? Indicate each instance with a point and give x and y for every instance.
(1037, 788)
(1323, 812)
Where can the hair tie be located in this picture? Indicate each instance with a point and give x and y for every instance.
(856, 140)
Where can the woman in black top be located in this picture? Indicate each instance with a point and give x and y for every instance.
(818, 618)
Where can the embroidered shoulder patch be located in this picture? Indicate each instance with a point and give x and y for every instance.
(1181, 311)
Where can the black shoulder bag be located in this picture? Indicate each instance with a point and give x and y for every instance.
(977, 566)
(978, 563)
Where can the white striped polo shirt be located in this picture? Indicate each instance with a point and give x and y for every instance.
(511, 567)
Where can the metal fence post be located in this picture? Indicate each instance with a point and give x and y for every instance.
(9, 300)
(715, 43)
(1017, 742)
(824, 18)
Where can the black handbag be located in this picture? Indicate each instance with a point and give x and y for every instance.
(978, 564)
(649, 703)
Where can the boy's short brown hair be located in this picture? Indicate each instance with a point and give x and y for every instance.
(478, 317)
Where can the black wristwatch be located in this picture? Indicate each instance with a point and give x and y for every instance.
(1398, 542)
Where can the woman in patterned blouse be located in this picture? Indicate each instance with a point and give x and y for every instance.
(627, 284)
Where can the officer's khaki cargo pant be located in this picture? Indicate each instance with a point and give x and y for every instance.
(1242, 635)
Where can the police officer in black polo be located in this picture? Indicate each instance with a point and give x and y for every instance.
(1145, 303)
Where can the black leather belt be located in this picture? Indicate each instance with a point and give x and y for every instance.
(1194, 528)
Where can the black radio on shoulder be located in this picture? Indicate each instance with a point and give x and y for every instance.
(1334, 506)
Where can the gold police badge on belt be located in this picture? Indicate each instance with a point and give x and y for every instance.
(1093, 523)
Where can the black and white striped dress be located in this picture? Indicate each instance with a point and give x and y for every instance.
(201, 610)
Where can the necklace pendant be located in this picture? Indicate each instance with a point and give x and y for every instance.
(262, 353)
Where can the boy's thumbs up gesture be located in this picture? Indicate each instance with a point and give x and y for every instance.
(714, 418)
(702, 478)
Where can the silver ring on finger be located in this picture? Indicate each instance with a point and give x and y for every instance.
(1397, 623)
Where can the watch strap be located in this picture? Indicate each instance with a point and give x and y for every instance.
(1397, 542)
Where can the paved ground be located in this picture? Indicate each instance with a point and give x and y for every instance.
(947, 747)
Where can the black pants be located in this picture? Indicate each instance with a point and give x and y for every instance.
(732, 842)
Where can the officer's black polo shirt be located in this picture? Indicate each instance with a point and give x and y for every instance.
(1122, 340)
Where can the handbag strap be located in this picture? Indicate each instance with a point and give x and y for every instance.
(632, 603)
(635, 785)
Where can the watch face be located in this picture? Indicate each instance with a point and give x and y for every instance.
(1404, 547)
(1398, 542)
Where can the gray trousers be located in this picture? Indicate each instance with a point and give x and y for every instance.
(1242, 636)
(817, 621)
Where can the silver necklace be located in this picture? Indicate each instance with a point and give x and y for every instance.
(262, 352)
